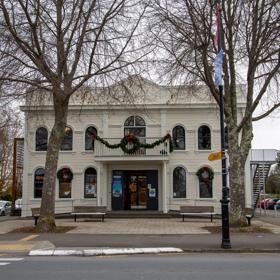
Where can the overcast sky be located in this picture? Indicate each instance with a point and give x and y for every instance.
(267, 133)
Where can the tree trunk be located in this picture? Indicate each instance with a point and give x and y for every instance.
(238, 153)
(237, 191)
(46, 221)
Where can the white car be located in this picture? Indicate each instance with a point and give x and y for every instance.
(18, 203)
(5, 207)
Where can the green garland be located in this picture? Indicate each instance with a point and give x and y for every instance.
(207, 169)
(135, 143)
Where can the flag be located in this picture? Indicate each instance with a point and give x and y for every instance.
(216, 37)
(219, 69)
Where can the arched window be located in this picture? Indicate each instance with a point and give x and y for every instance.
(38, 182)
(41, 139)
(135, 125)
(205, 177)
(67, 143)
(179, 183)
(90, 132)
(65, 177)
(90, 183)
(204, 138)
(178, 135)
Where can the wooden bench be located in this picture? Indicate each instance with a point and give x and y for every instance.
(99, 211)
(35, 214)
(197, 211)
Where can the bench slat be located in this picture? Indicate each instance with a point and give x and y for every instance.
(196, 211)
(89, 211)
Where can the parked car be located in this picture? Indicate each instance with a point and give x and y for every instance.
(277, 205)
(264, 203)
(271, 203)
(5, 207)
(18, 203)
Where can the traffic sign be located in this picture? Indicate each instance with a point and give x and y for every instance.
(215, 156)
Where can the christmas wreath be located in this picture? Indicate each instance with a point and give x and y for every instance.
(130, 144)
(65, 175)
(205, 174)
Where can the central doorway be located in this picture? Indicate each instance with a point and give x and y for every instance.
(135, 190)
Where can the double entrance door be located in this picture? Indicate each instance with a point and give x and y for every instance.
(135, 190)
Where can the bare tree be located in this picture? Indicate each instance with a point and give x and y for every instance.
(10, 128)
(251, 55)
(60, 46)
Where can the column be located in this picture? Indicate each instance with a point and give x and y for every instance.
(164, 188)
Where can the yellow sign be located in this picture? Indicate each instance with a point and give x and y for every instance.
(215, 156)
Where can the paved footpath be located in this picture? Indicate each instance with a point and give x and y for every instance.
(114, 234)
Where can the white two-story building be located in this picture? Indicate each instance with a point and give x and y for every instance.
(147, 179)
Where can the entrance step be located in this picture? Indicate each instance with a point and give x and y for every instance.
(126, 214)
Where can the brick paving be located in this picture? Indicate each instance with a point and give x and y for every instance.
(139, 226)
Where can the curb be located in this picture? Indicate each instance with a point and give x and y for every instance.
(237, 250)
(104, 251)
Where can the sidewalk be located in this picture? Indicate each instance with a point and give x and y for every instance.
(126, 234)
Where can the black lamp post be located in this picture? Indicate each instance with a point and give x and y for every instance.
(224, 201)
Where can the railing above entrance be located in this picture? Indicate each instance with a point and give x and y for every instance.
(100, 150)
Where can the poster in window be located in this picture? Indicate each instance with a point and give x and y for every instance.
(64, 190)
(152, 192)
(90, 185)
(117, 186)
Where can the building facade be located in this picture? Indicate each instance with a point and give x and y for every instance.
(92, 173)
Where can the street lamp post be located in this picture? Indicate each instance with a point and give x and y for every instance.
(224, 201)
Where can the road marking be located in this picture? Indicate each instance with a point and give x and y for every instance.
(29, 237)
(15, 247)
(11, 259)
(6, 261)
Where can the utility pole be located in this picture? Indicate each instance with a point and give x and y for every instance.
(224, 201)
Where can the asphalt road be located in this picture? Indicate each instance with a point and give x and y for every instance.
(150, 267)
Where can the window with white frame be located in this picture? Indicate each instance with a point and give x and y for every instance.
(179, 182)
(89, 138)
(41, 139)
(205, 177)
(67, 143)
(204, 138)
(135, 125)
(178, 136)
(38, 182)
(90, 183)
(65, 177)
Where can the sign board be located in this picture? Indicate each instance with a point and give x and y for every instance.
(215, 156)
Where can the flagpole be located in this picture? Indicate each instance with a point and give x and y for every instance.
(224, 201)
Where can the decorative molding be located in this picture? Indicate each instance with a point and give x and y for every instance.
(77, 173)
(154, 125)
(115, 126)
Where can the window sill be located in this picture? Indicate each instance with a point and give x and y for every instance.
(87, 152)
(205, 199)
(204, 151)
(180, 151)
